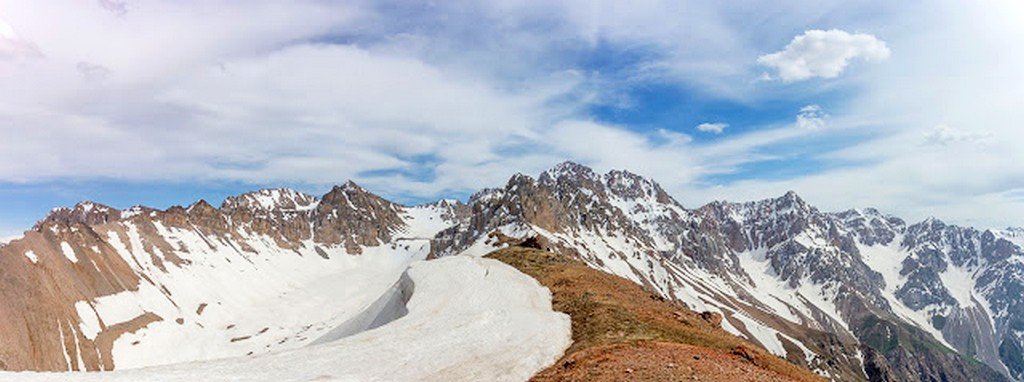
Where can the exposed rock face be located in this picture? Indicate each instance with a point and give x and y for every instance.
(853, 295)
(970, 284)
(87, 213)
(86, 276)
(39, 286)
(353, 217)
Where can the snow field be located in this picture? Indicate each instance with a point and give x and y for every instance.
(469, 319)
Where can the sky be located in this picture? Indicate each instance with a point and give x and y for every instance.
(912, 107)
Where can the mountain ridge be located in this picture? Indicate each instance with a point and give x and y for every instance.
(852, 295)
(781, 241)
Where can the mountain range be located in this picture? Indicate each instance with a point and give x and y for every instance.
(850, 295)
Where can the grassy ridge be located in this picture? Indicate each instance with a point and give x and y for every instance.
(609, 312)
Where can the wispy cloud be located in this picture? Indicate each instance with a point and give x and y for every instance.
(316, 92)
(716, 128)
(944, 135)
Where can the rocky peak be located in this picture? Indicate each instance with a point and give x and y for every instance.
(568, 170)
(1013, 231)
(1014, 235)
(802, 243)
(630, 186)
(351, 197)
(443, 204)
(961, 245)
(270, 200)
(86, 212)
(201, 207)
(931, 223)
(352, 186)
(137, 210)
(791, 203)
(567, 198)
(788, 212)
(866, 214)
(449, 209)
(932, 233)
(352, 216)
(485, 195)
(870, 226)
(519, 179)
(446, 203)
(204, 215)
(346, 195)
(572, 181)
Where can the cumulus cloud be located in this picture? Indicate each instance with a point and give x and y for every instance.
(811, 117)
(824, 54)
(717, 127)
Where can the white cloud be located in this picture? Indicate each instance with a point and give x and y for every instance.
(811, 117)
(238, 92)
(716, 128)
(944, 135)
(824, 54)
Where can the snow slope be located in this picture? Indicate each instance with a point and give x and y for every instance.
(227, 303)
(220, 295)
(468, 319)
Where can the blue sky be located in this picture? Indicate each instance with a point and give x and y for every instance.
(911, 107)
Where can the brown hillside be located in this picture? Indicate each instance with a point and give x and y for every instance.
(622, 332)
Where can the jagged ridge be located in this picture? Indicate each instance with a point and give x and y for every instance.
(852, 295)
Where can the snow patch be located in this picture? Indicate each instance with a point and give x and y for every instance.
(960, 284)
(423, 222)
(90, 324)
(765, 335)
(32, 257)
(767, 287)
(888, 260)
(68, 251)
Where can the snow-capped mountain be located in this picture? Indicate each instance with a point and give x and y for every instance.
(851, 295)
(94, 288)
